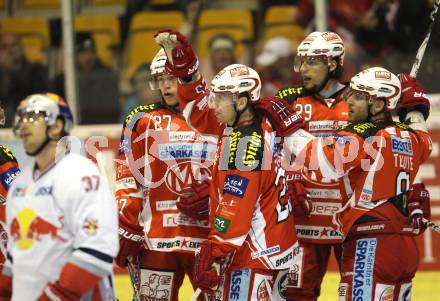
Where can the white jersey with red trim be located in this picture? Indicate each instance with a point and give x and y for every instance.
(67, 214)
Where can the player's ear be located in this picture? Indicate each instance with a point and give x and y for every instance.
(333, 65)
(242, 102)
(378, 105)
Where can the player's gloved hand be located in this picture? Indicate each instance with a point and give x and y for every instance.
(195, 202)
(54, 291)
(181, 59)
(206, 277)
(419, 207)
(413, 97)
(5, 287)
(298, 195)
(130, 242)
(283, 119)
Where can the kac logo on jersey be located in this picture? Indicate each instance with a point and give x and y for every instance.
(363, 269)
(235, 185)
(240, 285)
(401, 146)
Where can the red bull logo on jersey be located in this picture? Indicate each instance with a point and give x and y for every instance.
(27, 227)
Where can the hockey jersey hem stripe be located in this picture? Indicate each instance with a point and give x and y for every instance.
(97, 254)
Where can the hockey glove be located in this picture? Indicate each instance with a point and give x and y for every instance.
(283, 119)
(195, 202)
(5, 287)
(206, 277)
(413, 97)
(181, 59)
(130, 242)
(298, 195)
(419, 207)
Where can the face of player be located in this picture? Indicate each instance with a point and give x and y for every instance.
(357, 106)
(314, 72)
(32, 131)
(168, 89)
(223, 105)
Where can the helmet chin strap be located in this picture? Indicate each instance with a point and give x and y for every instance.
(42, 146)
(238, 113)
(322, 85)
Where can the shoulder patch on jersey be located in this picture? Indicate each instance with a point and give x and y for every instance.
(143, 109)
(6, 155)
(250, 157)
(290, 94)
(364, 130)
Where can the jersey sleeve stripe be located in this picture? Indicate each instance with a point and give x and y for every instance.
(236, 241)
(97, 254)
(90, 264)
(327, 170)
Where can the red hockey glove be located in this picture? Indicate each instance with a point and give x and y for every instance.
(195, 202)
(298, 195)
(54, 291)
(413, 97)
(182, 61)
(419, 207)
(130, 242)
(206, 277)
(284, 121)
(5, 287)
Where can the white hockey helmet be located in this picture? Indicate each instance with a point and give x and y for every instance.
(378, 82)
(157, 68)
(51, 105)
(237, 79)
(320, 44)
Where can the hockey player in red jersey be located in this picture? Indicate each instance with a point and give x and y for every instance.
(60, 214)
(321, 102)
(378, 160)
(252, 234)
(8, 171)
(159, 156)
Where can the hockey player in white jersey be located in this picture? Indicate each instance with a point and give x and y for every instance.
(61, 216)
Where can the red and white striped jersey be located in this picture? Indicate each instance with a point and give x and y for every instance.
(250, 215)
(158, 156)
(376, 162)
(322, 118)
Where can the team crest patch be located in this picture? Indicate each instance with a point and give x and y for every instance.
(90, 226)
(156, 285)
